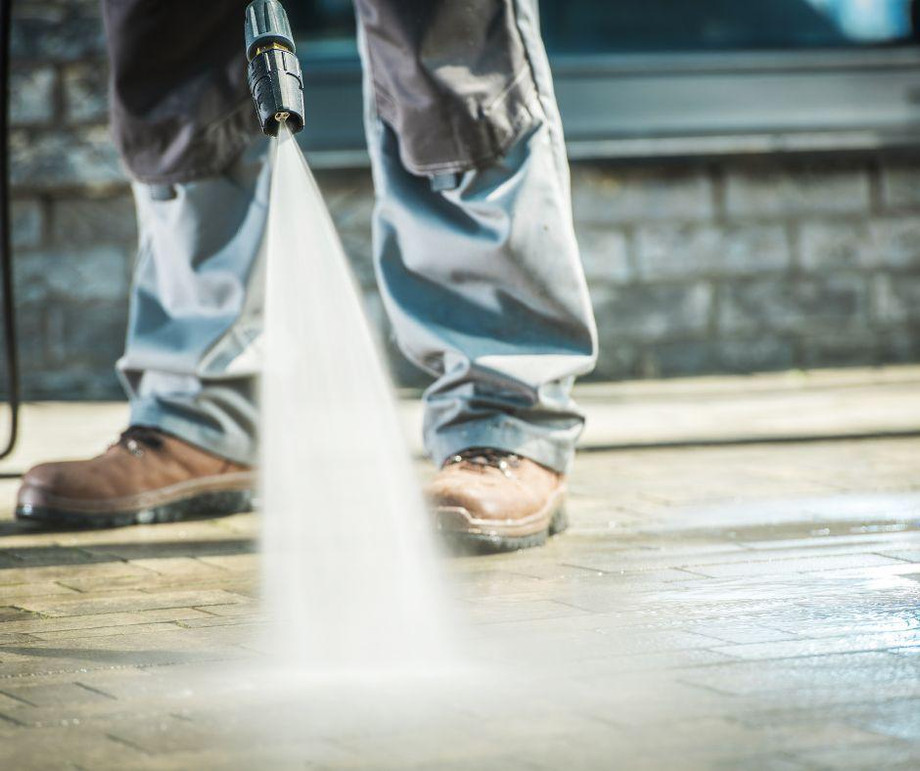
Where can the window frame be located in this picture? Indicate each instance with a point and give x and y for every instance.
(679, 105)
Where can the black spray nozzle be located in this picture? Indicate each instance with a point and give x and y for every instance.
(275, 80)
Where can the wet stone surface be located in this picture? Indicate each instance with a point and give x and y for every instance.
(727, 607)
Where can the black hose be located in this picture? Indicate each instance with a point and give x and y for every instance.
(6, 251)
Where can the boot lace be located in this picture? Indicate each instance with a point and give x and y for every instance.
(136, 438)
(483, 458)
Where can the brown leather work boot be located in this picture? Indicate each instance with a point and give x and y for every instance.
(491, 500)
(147, 476)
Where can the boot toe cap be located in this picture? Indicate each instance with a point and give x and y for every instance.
(41, 481)
(48, 484)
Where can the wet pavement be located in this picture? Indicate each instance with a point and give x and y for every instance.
(728, 606)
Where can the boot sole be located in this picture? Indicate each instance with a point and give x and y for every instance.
(205, 505)
(465, 534)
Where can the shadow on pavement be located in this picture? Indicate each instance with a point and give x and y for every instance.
(24, 527)
(45, 556)
(134, 658)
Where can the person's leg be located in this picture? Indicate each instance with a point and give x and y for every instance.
(182, 118)
(476, 253)
(482, 280)
(189, 365)
(201, 204)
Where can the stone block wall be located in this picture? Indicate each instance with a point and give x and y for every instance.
(752, 265)
(695, 267)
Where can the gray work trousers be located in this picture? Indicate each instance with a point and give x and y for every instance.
(474, 248)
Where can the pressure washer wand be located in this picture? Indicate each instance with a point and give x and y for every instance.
(275, 79)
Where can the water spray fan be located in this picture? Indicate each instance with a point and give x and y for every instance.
(275, 79)
(334, 390)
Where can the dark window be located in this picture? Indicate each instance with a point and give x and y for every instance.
(326, 25)
(622, 26)
(651, 78)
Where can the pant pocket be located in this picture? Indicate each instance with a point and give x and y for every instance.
(452, 79)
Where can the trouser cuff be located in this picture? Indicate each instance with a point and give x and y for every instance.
(150, 412)
(508, 434)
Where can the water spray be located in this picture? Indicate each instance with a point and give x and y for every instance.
(275, 79)
(349, 573)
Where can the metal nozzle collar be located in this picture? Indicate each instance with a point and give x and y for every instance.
(267, 24)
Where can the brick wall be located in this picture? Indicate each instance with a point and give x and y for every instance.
(728, 266)
(755, 265)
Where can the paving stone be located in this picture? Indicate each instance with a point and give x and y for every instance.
(764, 762)
(232, 562)
(800, 675)
(506, 608)
(896, 756)
(130, 601)
(795, 736)
(49, 555)
(82, 748)
(739, 633)
(38, 695)
(8, 706)
(15, 638)
(231, 611)
(151, 629)
(908, 555)
(180, 567)
(95, 575)
(822, 646)
(793, 565)
(14, 592)
(11, 614)
(897, 718)
(166, 542)
(78, 625)
(252, 624)
(801, 650)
